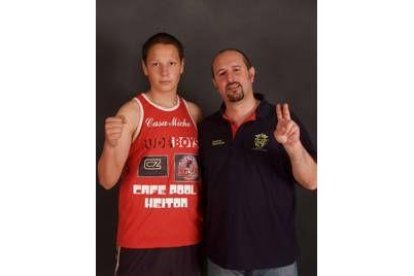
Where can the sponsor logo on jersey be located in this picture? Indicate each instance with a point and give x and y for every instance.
(165, 196)
(174, 122)
(171, 142)
(186, 167)
(153, 166)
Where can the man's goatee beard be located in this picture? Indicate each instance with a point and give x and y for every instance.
(235, 97)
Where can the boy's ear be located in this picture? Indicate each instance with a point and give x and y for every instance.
(144, 68)
(182, 66)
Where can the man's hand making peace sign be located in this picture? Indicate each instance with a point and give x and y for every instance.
(287, 132)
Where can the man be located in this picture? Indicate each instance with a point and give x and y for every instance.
(151, 144)
(251, 156)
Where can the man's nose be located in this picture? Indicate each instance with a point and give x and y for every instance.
(230, 77)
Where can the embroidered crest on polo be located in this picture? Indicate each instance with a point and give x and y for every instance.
(217, 142)
(260, 141)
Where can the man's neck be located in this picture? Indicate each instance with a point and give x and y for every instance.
(239, 111)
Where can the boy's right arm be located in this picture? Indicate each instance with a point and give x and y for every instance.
(119, 131)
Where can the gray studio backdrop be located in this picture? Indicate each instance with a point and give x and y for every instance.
(278, 36)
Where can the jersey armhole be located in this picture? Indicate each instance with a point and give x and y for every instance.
(140, 119)
(189, 113)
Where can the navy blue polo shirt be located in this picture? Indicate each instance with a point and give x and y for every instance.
(248, 192)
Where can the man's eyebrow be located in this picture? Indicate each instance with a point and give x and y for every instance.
(231, 66)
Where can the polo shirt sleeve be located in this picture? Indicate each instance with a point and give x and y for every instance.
(305, 138)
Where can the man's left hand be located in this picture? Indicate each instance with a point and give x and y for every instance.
(287, 132)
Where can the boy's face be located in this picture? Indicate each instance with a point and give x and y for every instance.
(163, 68)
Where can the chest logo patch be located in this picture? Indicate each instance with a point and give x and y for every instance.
(217, 142)
(260, 141)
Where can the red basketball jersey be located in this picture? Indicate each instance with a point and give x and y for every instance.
(160, 188)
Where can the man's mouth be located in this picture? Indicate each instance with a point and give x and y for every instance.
(233, 86)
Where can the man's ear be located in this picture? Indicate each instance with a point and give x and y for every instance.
(144, 68)
(214, 83)
(252, 74)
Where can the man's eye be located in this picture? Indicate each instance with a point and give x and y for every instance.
(173, 63)
(154, 64)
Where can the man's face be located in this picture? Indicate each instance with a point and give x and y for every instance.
(232, 79)
(163, 68)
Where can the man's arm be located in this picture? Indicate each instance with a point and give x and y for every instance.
(287, 133)
(303, 166)
(119, 131)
